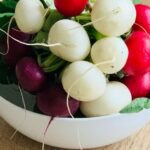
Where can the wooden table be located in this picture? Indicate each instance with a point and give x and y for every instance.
(139, 141)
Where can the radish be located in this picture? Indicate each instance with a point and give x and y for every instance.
(83, 81)
(112, 50)
(139, 53)
(52, 102)
(30, 76)
(113, 17)
(74, 41)
(17, 50)
(70, 8)
(143, 18)
(29, 15)
(116, 97)
(139, 85)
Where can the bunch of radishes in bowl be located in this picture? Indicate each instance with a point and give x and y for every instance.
(71, 56)
(84, 59)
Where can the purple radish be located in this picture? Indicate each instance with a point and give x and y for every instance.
(29, 74)
(52, 102)
(17, 50)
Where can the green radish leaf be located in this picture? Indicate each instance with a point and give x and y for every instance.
(93, 34)
(41, 37)
(53, 17)
(8, 5)
(4, 19)
(92, 1)
(136, 1)
(7, 8)
(12, 94)
(48, 3)
(137, 105)
(6, 15)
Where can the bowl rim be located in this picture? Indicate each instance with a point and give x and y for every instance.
(68, 119)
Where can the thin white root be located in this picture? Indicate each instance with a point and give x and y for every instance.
(30, 44)
(49, 123)
(113, 12)
(8, 30)
(76, 81)
(49, 3)
(79, 138)
(25, 109)
(142, 28)
(68, 95)
(46, 12)
(23, 101)
(43, 143)
(105, 62)
(78, 131)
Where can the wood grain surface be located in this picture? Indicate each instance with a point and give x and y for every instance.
(139, 141)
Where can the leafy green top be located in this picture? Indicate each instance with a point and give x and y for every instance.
(137, 105)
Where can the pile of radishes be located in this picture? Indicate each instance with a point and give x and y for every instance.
(85, 68)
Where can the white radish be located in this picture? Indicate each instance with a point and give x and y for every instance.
(116, 97)
(83, 81)
(75, 43)
(29, 15)
(112, 50)
(113, 17)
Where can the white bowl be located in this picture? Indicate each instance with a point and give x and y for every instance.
(94, 132)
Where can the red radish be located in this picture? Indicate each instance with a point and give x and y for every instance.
(29, 74)
(17, 50)
(52, 102)
(70, 8)
(139, 85)
(138, 61)
(143, 18)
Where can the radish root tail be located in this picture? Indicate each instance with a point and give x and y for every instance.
(30, 44)
(25, 114)
(77, 80)
(140, 26)
(45, 132)
(73, 84)
(8, 30)
(113, 12)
